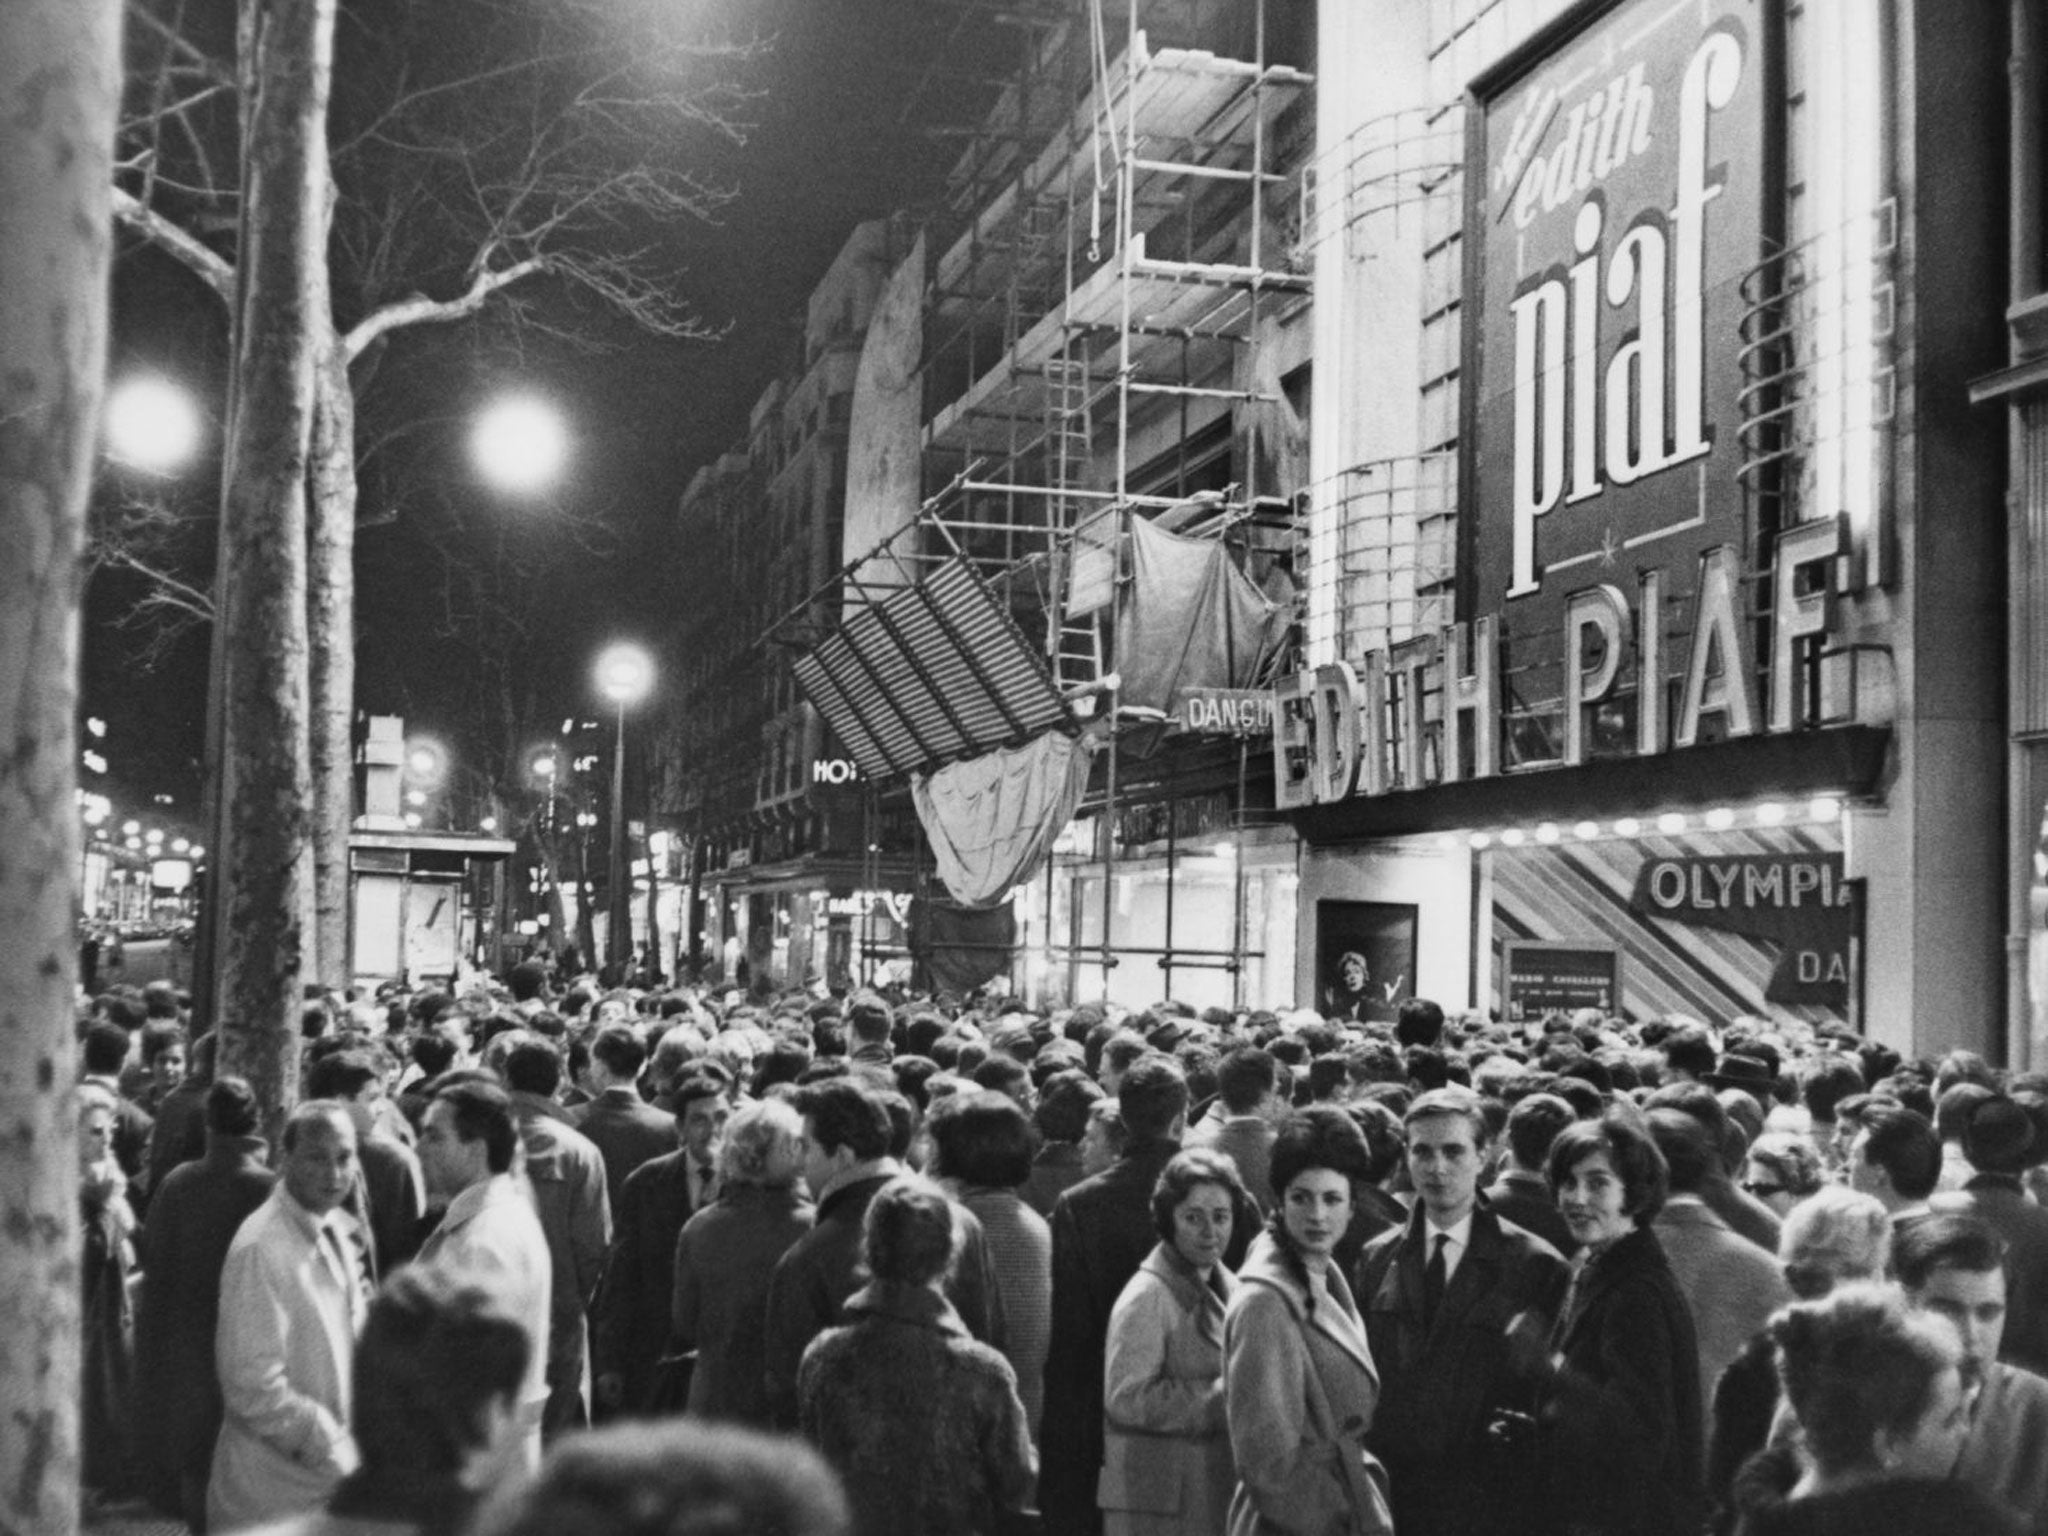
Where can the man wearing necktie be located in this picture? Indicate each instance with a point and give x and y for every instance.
(1439, 1294)
(293, 1294)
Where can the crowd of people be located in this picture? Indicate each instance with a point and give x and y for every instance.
(553, 1256)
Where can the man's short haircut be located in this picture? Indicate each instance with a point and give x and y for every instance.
(434, 1355)
(433, 1052)
(1327, 1076)
(310, 1111)
(1455, 1103)
(1636, 1160)
(1687, 1153)
(1183, 1172)
(1152, 1094)
(1063, 1100)
(1122, 1049)
(106, 1049)
(981, 1139)
(1005, 1074)
(342, 1074)
(701, 1080)
(1826, 1083)
(1385, 1145)
(1533, 1124)
(1697, 1100)
(1689, 1048)
(483, 1112)
(231, 1107)
(1375, 1061)
(675, 1477)
(1246, 1078)
(1927, 1243)
(533, 1066)
(869, 1018)
(844, 1112)
(1419, 1022)
(527, 980)
(1856, 1364)
(618, 1046)
(1955, 1105)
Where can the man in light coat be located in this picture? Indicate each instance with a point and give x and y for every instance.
(490, 1236)
(293, 1294)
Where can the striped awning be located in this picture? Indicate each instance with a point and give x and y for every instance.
(932, 673)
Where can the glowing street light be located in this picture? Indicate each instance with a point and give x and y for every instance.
(519, 444)
(152, 424)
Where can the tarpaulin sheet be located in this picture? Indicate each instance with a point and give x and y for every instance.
(1192, 619)
(963, 946)
(990, 819)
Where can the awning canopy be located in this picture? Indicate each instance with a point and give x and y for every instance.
(929, 674)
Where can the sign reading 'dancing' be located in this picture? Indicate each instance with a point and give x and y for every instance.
(1614, 202)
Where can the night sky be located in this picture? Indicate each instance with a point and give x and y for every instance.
(839, 134)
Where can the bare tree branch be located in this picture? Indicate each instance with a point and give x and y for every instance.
(421, 310)
(205, 263)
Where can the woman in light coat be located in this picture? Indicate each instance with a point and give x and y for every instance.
(1166, 1467)
(1299, 1382)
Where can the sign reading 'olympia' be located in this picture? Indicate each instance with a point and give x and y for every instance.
(1614, 201)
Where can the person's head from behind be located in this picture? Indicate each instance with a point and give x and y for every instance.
(1607, 1177)
(679, 1477)
(231, 1108)
(1246, 1081)
(1105, 1138)
(908, 1236)
(106, 1050)
(1876, 1387)
(1420, 1022)
(981, 1139)
(1063, 1100)
(1533, 1124)
(763, 1145)
(437, 1375)
(1152, 1096)
(618, 1055)
(319, 1155)
(1896, 1156)
(1005, 1074)
(1954, 1266)
(1833, 1237)
(467, 1135)
(845, 1124)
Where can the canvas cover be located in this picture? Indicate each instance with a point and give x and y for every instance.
(991, 819)
(1192, 619)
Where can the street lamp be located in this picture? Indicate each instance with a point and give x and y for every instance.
(519, 444)
(624, 674)
(152, 424)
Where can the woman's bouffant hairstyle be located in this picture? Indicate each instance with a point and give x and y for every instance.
(433, 1356)
(1856, 1363)
(680, 1477)
(1621, 1135)
(909, 1235)
(764, 1144)
(1320, 1136)
(1177, 1180)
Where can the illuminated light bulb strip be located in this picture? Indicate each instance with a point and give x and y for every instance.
(1722, 818)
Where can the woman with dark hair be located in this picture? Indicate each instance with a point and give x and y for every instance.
(1298, 1374)
(921, 1420)
(1166, 1465)
(982, 1143)
(1877, 1390)
(1620, 1426)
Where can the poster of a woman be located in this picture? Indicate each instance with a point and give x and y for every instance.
(1365, 959)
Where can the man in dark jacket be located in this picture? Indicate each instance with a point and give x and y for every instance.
(846, 1161)
(1522, 1193)
(1438, 1295)
(1101, 1231)
(630, 1317)
(195, 1217)
(626, 1130)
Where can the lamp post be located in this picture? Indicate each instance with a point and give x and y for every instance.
(624, 674)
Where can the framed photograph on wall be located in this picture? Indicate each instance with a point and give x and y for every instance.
(1365, 959)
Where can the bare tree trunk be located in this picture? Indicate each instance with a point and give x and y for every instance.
(60, 83)
(331, 631)
(267, 786)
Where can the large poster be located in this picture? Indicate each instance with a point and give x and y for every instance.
(1615, 192)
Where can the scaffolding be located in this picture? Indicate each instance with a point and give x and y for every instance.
(1120, 234)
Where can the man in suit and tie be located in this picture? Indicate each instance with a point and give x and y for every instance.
(293, 1293)
(1439, 1294)
(630, 1318)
